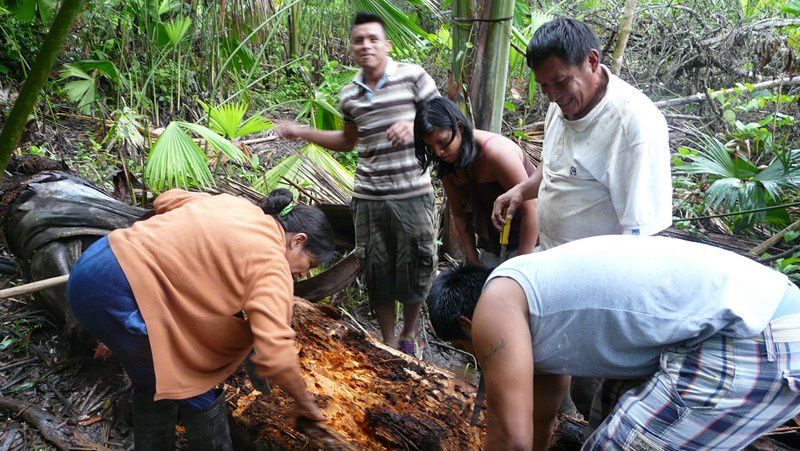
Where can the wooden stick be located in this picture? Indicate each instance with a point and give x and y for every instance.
(773, 240)
(34, 286)
(46, 424)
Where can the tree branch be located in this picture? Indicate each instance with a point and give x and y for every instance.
(699, 97)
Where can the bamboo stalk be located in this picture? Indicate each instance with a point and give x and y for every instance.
(34, 286)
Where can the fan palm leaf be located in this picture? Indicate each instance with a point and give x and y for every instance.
(84, 76)
(177, 28)
(737, 184)
(228, 120)
(176, 160)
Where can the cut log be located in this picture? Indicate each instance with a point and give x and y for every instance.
(373, 396)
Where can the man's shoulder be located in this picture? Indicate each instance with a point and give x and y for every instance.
(348, 89)
(629, 100)
(409, 70)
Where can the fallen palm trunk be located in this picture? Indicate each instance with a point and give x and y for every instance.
(48, 220)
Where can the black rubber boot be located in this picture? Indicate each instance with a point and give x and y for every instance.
(208, 429)
(153, 423)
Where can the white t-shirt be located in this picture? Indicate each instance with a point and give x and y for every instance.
(606, 306)
(606, 173)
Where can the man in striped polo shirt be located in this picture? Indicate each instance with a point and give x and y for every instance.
(393, 203)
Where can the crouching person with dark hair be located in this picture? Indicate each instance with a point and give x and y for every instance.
(701, 347)
(182, 297)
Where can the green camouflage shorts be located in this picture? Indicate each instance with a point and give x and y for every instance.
(395, 240)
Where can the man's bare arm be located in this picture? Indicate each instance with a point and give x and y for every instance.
(502, 342)
(549, 391)
(338, 141)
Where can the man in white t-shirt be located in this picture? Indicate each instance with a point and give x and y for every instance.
(605, 161)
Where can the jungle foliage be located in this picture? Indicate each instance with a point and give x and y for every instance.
(211, 77)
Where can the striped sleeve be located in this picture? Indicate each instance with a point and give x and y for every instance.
(344, 95)
(424, 87)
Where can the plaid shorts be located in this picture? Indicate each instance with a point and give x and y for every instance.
(395, 240)
(722, 394)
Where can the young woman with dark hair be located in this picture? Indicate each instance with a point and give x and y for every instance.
(475, 167)
(183, 297)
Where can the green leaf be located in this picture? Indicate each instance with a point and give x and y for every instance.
(729, 116)
(47, 10)
(175, 160)
(6, 343)
(22, 387)
(290, 168)
(176, 29)
(25, 10)
(255, 124)
(227, 120)
(792, 7)
(82, 92)
(403, 31)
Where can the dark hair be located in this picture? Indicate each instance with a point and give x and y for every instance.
(363, 17)
(453, 294)
(302, 219)
(568, 39)
(440, 113)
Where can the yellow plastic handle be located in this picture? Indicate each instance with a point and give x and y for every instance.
(506, 231)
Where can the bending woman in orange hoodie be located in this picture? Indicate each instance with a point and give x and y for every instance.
(183, 297)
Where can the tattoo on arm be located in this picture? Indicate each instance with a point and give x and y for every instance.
(496, 349)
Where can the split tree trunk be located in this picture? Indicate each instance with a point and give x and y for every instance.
(488, 86)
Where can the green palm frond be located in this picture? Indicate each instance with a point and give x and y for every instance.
(25, 10)
(177, 28)
(792, 7)
(227, 120)
(737, 184)
(177, 161)
(404, 33)
(82, 89)
(254, 124)
(713, 157)
(84, 76)
(217, 142)
(125, 129)
(521, 38)
(320, 113)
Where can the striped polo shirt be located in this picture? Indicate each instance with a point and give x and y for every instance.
(385, 171)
